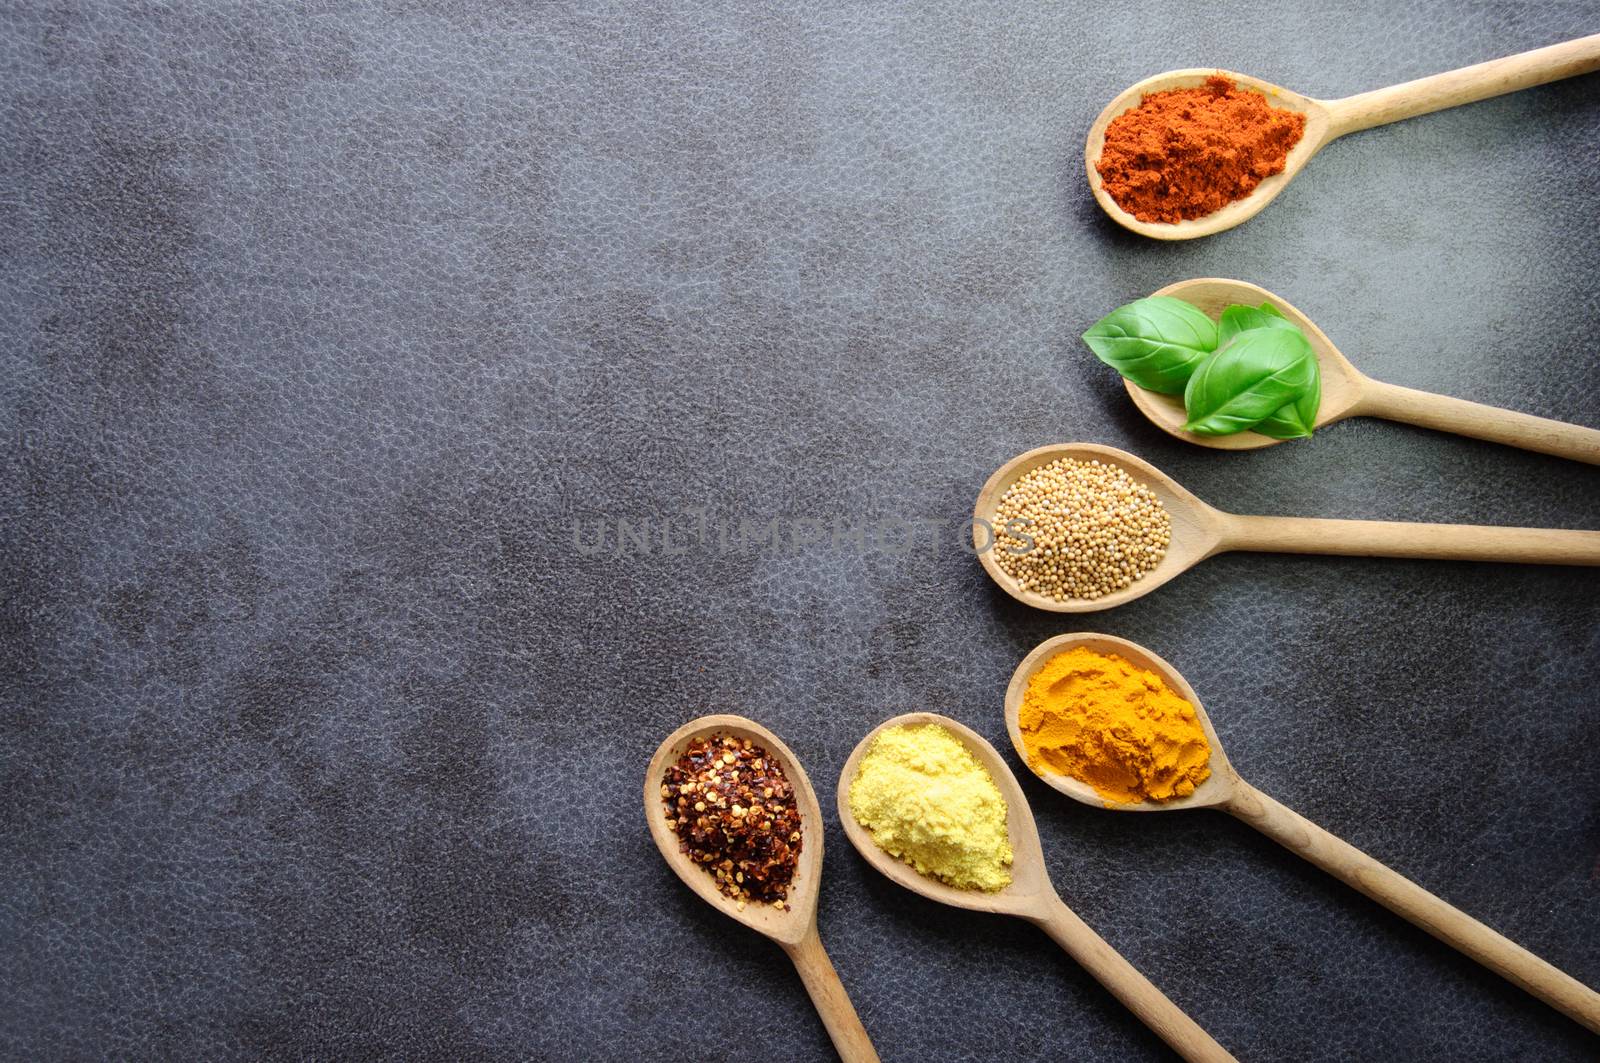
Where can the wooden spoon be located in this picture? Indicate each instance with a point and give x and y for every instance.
(795, 926)
(1200, 531)
(1227, 791)
(1327, 120)
(1030, 895)
(1347, 393)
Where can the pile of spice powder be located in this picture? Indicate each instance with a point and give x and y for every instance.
(1084, 529)
(734, 813)
(1186, 153)
(1119, 728)
(927, 800)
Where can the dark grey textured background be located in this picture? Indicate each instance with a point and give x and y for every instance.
(322, 330)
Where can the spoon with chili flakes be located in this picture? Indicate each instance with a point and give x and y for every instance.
(735, 817)
(1326, 120)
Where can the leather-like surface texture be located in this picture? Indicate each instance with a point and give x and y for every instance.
(338, 340)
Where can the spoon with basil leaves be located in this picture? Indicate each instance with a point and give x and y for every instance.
(1159, 344)
(1328, 120)
(1200, 531)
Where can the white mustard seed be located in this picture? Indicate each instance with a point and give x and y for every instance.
(1086, 529)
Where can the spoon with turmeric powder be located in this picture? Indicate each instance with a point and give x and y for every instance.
(1152, 191)
(735, 754)
(1347, 392)
(1079, 569)
(1097, 707)
(1027, 891)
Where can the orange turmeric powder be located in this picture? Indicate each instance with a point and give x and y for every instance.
(1121, 729)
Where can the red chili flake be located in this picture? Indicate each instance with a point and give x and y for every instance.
(734, 812)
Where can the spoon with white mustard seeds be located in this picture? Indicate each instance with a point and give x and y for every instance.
(1327, 120)
(1225, 790)
(1199, 531)
(1030, 894)
(793, 925)
(1347, 392)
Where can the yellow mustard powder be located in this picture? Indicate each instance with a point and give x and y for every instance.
(927, 800)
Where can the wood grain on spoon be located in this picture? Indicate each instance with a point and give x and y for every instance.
(793, 927)
(1230, 793)
(1200, 531)
(1346, 392)
(1327, 120)
(1030, 895)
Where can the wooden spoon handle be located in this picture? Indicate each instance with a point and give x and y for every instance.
(1111, 970)
(1379, 538)
(850, 1038)
(1410, 901)
(1478, 421)
(1467, 85)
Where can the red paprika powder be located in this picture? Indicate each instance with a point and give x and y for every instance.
(1185, 153)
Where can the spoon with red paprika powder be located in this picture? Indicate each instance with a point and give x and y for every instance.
(1193, 152)
(756, 758)
(1223, 789)
(1346, 393)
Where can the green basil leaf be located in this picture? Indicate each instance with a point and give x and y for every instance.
(1154, 342)
(1297, 419)
(1247, 381)
(1237, 319)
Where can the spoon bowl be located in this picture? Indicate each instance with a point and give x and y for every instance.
(1342, 383)
(1218, 788)
(1197, 529)
(1319, 131)
(799, 914)
(1224, 789)
(1030, 891)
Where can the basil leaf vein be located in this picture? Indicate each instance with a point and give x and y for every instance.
(1249, 380)
(1155, 342)
(1298, 419)
(1237, 319)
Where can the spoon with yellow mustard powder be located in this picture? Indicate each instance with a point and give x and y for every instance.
(933, 806)
(1109, 723)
